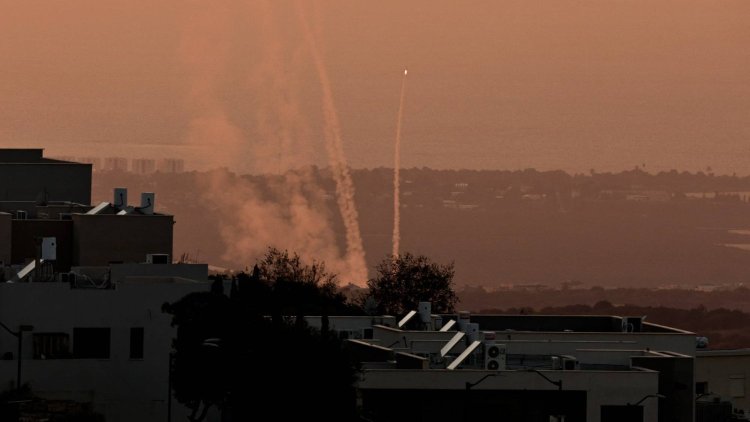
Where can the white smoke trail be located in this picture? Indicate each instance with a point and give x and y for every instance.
(337, 159)
(397, 172)
(287, 212)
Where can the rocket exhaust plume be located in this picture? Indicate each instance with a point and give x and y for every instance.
(397, 172)
(337, 159)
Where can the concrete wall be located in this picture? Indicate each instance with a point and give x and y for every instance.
(676, 383)
(602, 388)
(721, 369)
(51, 181)
(674, 342)
(101, 239)
(123, 389)
(124, 272)
(25, 233)
(49, 211)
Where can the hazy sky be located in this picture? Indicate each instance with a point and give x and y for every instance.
(604, 84)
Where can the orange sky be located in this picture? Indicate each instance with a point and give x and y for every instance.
(604, 84)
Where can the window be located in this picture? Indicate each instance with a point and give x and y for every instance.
(91, 343)
(701, 387)
(51, 345)
(737, 385)
(136, 343)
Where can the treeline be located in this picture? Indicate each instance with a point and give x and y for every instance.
(539, 297)
(725, 328)
(499, 227)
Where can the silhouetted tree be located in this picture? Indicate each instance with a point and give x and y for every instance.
(282, 284)
(230, 355)
(404, 281)
(199, 376)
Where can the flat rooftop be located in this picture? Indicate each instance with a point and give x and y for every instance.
(563, 323)
(28, 156)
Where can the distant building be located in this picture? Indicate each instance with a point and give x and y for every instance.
(142, 165)
(115, 164)
(724, 375)
(96, 162)
(172, 165)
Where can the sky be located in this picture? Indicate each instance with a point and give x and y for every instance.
(500, 84)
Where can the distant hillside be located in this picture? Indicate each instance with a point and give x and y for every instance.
(499, 227)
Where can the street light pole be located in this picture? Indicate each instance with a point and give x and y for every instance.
(468, 386)
(19, 335)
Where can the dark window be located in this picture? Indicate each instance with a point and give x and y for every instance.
(91, 343)
(701, 387)
(51, 345)
(136, 343)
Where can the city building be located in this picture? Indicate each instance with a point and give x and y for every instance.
(520, 367)
(50, 199)
(26, 176)
(142, 165)
(81, 290)
(721, 376)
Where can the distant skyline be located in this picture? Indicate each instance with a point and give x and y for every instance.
(569, 85)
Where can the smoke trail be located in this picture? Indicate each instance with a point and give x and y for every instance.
(287, 212)
(204, 50)
(339, 168)
(397, 172)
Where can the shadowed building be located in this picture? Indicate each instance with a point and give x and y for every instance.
(25, 175)
(44, 198)
(87, 283)
(539, 368)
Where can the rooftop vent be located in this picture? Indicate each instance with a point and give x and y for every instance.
(147, 202)
(121, 198)
(425, 312)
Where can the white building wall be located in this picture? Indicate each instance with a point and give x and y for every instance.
(121, 388)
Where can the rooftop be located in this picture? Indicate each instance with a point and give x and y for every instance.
(28, 156)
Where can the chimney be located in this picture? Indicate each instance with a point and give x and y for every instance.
(147, 202)
(121, 198)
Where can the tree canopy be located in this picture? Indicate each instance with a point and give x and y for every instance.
(405, 280)
(282, 284)
(245, 355)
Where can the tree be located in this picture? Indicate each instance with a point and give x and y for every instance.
(282, 284)
(405, 280)
(229, 355)
(198, 379)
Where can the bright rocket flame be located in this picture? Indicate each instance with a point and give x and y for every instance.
(397, 173)
(406, 71)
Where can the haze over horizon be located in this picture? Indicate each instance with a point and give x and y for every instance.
(569, 85)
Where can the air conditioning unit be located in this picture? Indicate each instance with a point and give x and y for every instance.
(157, 258)
(569, 363)
(495, 356)
(556, 363)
